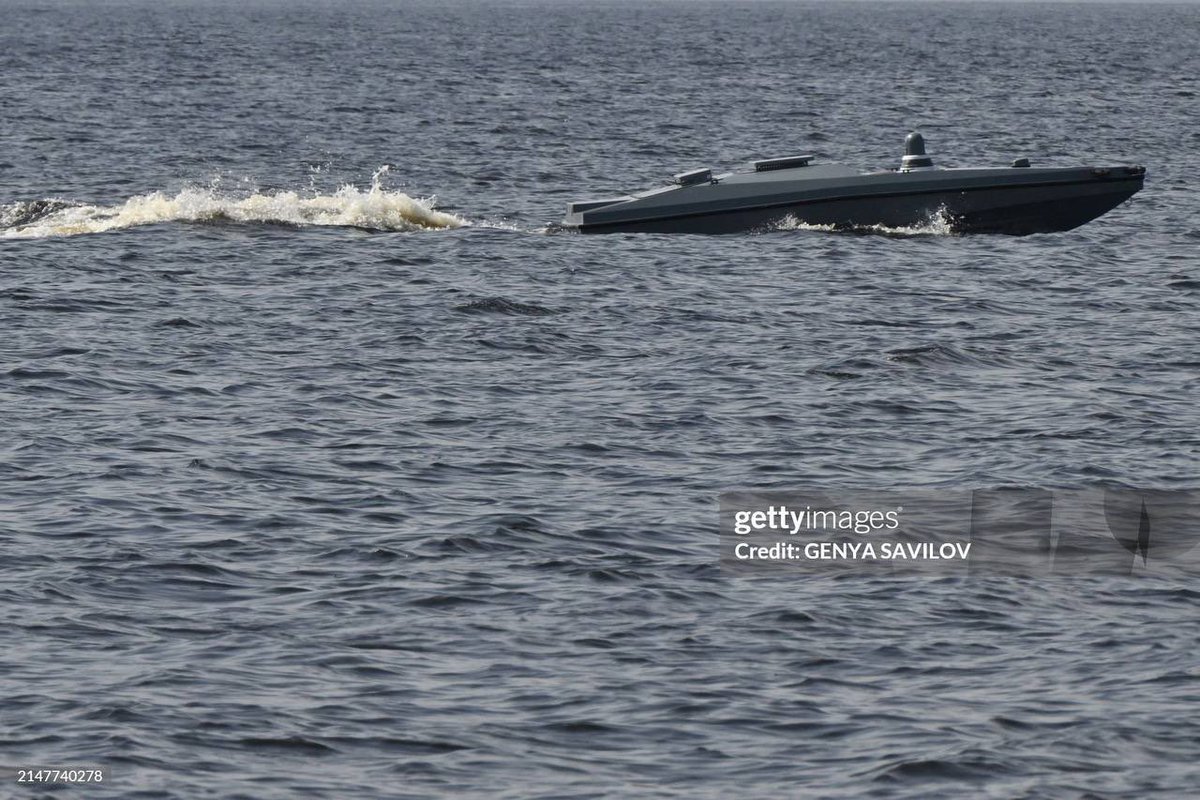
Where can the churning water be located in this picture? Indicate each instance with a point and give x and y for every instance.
(321, 480)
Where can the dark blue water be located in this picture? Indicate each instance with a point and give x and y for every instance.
(329, 469)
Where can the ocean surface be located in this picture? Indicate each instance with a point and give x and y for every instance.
(331, 468)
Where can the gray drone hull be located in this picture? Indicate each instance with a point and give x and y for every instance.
(1018, 200)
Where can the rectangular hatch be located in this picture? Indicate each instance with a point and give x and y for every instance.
(787, 162)
(694, 177)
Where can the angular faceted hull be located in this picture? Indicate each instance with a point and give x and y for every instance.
(1017, 200)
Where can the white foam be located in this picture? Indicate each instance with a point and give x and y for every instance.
(374, 209)
(791, 223)
(939, 223)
